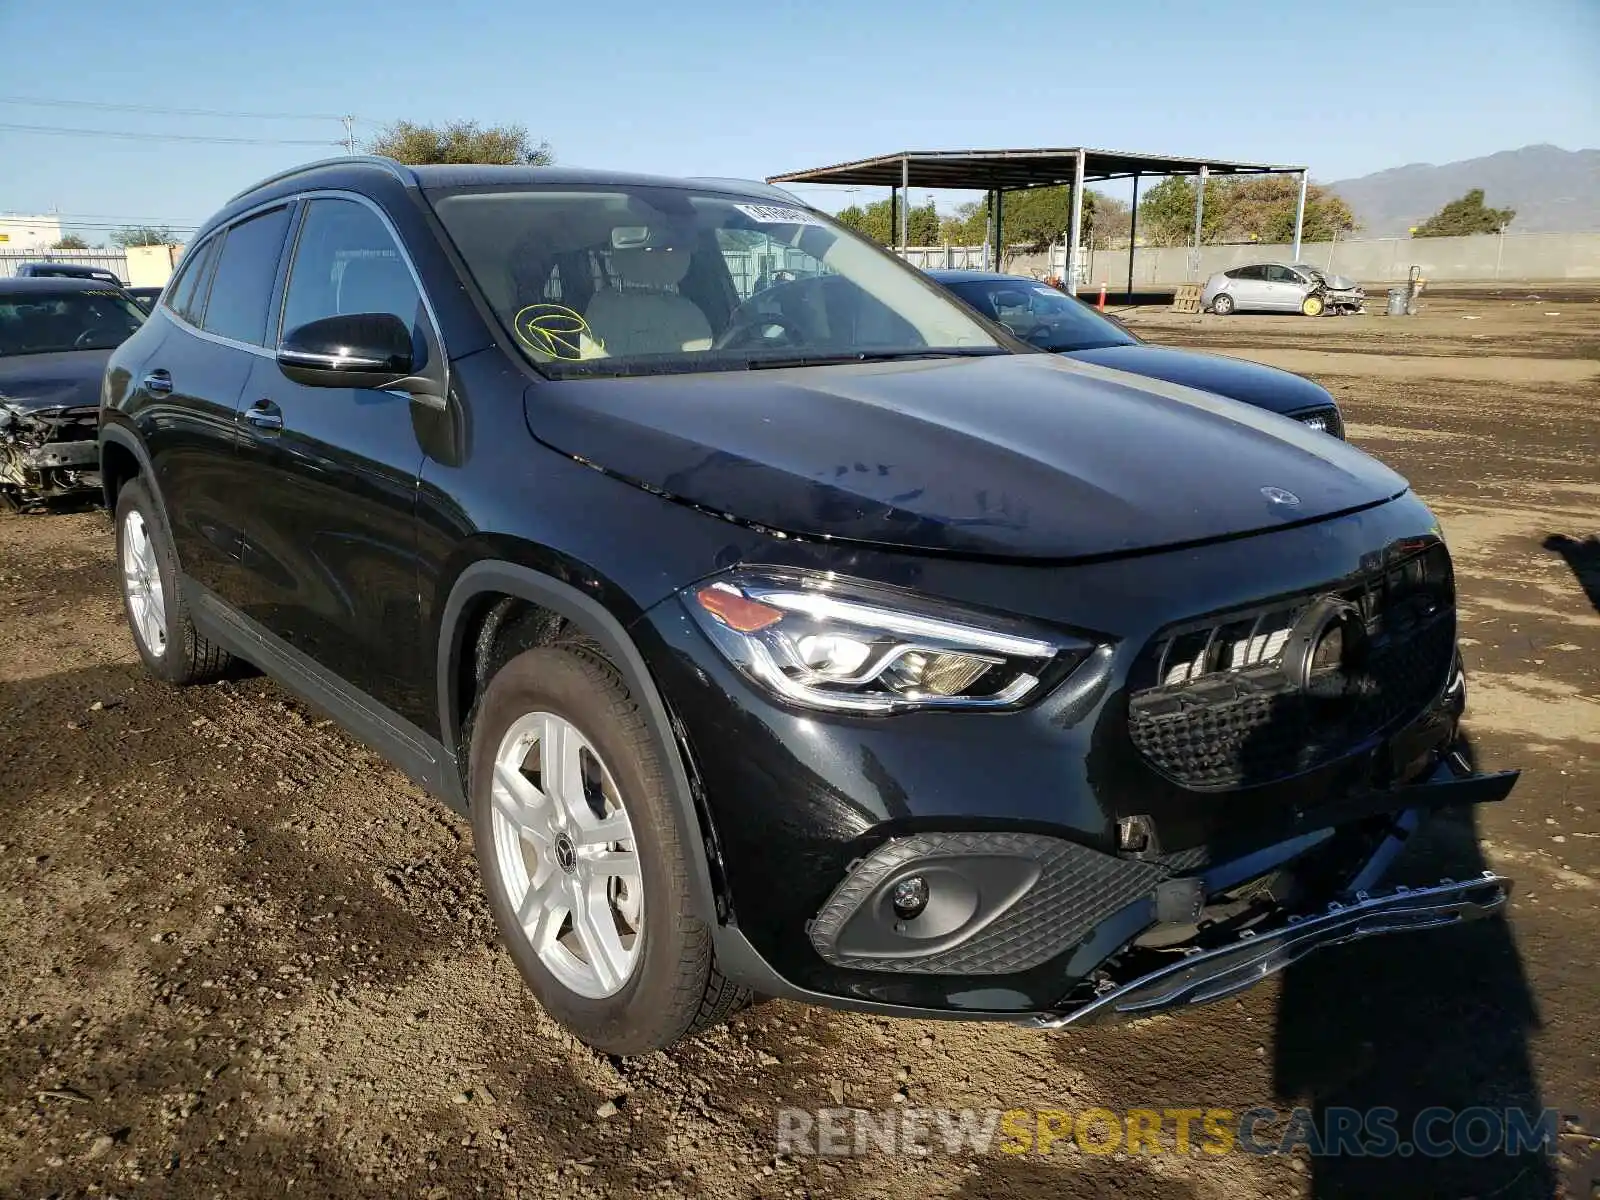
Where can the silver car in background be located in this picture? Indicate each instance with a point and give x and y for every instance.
(1275, 287)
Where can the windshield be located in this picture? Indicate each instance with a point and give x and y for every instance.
(47, 324)
(623, 280)
(1040, 315)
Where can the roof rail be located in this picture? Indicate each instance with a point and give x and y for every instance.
(398, 170)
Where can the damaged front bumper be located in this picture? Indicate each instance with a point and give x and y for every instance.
(47, 453)
(1351, 300)
(1221, 961)
(1202, 976)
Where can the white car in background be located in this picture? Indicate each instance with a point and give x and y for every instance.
(1276, 287)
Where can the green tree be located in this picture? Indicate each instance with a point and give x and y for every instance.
(71, 242)
(1112, 219)
(1260, 208)
(967, 226)
(873, 221)
(1034, 218)
(142, 235)
(1166, 212)
(1466, 215)
(460, 142)
(1257, 208)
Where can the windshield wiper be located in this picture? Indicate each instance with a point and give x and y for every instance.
(862, 356)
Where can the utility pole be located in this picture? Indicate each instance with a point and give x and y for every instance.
(349, 134)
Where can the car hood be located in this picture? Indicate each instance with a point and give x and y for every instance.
(1017, 456)
(67, 380)
(1340, 283)
(1263, 386)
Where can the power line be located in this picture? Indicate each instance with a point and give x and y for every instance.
(167, 137)
(132, 225)
(176, 112)
(90, 218)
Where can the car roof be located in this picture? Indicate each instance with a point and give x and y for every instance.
(356, 171)
(82, 270)
(49, 285)
(451, 175)
(953, 276)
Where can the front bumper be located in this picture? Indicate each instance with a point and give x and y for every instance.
(792, 804)
(51, 468)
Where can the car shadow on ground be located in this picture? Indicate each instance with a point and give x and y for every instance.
(1434, 1020)
(1583, 556)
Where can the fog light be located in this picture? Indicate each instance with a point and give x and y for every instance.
(909, 897)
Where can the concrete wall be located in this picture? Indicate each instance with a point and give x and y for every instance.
(1484, 257)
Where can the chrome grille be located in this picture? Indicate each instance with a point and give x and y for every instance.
(1212, 707)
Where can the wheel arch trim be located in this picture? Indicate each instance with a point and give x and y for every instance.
(525, 583)
(119, 435)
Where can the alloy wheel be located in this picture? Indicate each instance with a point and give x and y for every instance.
(141, 582)
(565, 852)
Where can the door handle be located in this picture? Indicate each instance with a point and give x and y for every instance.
(265, 416)
(158, 383)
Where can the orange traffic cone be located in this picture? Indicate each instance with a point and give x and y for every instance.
(1101, 304)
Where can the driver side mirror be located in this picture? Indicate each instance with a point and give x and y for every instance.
(359, 350)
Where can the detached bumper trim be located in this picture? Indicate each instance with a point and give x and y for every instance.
(1208, 975)
(64, 454)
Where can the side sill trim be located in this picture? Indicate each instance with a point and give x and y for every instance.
(422, 757)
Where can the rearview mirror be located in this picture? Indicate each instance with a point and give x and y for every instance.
(361, 350)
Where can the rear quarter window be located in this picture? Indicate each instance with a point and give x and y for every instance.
(186, 297)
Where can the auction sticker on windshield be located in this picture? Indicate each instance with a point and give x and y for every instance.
(777, 214)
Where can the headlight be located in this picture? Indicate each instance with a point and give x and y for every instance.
(851, 646)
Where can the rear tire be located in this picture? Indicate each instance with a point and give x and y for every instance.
(152, 595)
(636, 972)
(1312, 306)
(1222, 305)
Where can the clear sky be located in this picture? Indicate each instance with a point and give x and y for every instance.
(720, 88)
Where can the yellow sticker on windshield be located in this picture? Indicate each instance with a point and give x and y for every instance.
(554, 330)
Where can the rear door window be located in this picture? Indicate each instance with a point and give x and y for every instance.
(247, 269)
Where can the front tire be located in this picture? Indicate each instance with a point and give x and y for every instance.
(581, 860)
(1222, 305)
(1312, 306)
(152, 597)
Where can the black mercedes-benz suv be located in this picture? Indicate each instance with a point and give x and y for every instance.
(783, 626)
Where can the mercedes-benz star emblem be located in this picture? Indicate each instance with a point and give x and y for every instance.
(1279, 496)
(566, 854)
(1326, 653)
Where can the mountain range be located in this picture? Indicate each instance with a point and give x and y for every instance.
(1551, 189)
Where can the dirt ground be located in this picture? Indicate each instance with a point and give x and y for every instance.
(240, 956)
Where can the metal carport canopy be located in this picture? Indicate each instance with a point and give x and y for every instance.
(998, 171)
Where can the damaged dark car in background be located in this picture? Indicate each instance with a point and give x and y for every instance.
(55, 337)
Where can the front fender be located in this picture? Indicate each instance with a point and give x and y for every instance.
(497, 576)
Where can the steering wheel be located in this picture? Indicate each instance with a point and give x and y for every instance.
(86, 339)
(751, 332)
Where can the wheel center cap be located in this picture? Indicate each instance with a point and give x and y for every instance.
(566, 854)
